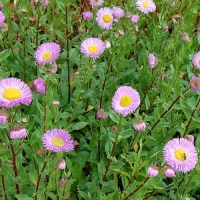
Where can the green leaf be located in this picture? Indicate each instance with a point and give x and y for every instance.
(4, 54)
(79, 126)
(114, 116)
(23, 197)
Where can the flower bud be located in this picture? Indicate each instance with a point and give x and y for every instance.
(61, 164)
(24, 120)
(114, 129)
(153, 170)
(169, 172)
(139, 125)
(63, 182)
(107, 44)
(190, 138)
(101, 114)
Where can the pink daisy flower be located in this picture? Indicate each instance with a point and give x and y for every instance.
(126, 100)
(39, 85)
(58, 140)
(14, 92)
(180, 154)
(146, 6)
(47, 53)
(104, 18)
(196, 60)
(139, 125)
(169, 172)
(152, 170)
(2, 18)
(18, 133)
(87, 15)
(92, 47)
(96, 3)
(135, 18)
(195, 83)
(118, 12)
(153, 61)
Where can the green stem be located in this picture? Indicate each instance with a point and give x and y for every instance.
(134, 191)
(105, 79)
(190, 120)
(3, 183)
(164, 113)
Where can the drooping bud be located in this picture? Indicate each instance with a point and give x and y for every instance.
(61, 164)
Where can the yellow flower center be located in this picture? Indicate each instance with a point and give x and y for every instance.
(195, 83)
(46, 55)
(181, 154)
(107, 18)
(93, 48)
(58, 142)
(125, 101)
(199, 62)
(145, 4)
(12, 93)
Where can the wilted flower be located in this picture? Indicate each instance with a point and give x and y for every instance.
(47, 53)
(190, 138)
(4, 27)
(196, 60)
(18, 133)
(117, 12)
(126, 100)
(96, 3)
(87, 15)
(14, 92)
(135, 18)
(2, 18)
(139, 125)
(107, 44)
(104, 18)
(146, 6)
(180, 154)
(61, 164)
(169, 172)
(153, 170)
(153, 61)
(101, 114)
(57, 140)
(92, 47)
(195, 83)
(39, 85)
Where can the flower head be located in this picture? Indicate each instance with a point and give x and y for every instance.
(47, 53)
(118, 12)
(101, 114)
(39, 85)
(87, 15)
(152, 170)
(126, 100)
(104, 18)
(139, 125)
(195, 83)
(135, 18)
(153, 61)
(196, 60)
(180, 154)
(3, 117)
(146, 6)
(14, 92)
(96, 3)
(18, 133)
(169, 172)
(92, 47)
(58, 140)
(2, 18)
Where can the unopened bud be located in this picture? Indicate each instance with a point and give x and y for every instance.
(114, 129)
(61, 164)
(56, 103)
(24, 120)
(63, 182)
(101, 114)
(139, 125)
(41, 152)
(107, 44)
